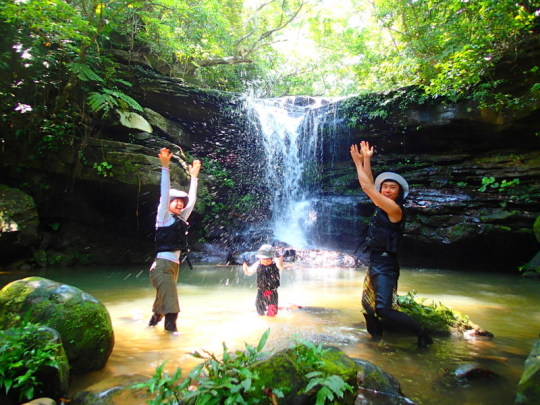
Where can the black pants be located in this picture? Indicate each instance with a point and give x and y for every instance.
(378, 295)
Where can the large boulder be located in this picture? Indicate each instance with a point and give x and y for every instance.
(82, 321)
(528, 391)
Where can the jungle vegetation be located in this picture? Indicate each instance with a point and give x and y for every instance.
(55, 51)
(62, 61)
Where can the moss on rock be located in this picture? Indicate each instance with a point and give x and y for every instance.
(82, 321)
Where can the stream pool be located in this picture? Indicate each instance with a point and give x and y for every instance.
(322, 305)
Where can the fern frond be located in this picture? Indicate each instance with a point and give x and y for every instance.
(101, 102)
(84, 72)
(131, 103)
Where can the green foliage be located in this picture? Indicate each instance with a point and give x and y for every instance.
(108, 100)
(332, 387)
(434, 316)
(103, 169)
(164, 388)
(500, 187)
(227, 381)
(22, 355)
(218, 200)
(245, 203)
(84, 72)
(218, 174)
(449, 45)
(329, 387)
(363, 108)
(230, 381)
(445, 46)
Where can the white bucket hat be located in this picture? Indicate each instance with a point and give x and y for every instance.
(381, 178)
(174, 194)
(265, 252)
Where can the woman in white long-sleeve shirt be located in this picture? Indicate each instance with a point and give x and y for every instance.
(174, 209)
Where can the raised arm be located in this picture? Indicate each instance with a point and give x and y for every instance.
(163, 214)
(367, 153)
(363, 166)
(279, 262)
(194, 170)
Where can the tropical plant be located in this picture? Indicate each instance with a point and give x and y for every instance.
(214, 381)
(103, 169)
(22, 355)
(231, 380)
(491, 182)
(330, 388)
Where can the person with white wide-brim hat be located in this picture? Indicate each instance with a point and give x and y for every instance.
(174, 209)
(383, 240)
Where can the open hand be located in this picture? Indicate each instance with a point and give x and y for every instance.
(165, 157)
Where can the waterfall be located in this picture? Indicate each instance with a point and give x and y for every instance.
(291, 130)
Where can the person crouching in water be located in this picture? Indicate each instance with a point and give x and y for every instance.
(174, 208)
(268, 278)
(383, 240)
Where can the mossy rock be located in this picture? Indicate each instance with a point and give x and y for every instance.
(285, 371)
(82, 321)
(54, 379)
(436, 318)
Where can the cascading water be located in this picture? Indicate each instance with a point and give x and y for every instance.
(291, 130)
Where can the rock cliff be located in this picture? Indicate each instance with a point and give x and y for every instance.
(473, 173)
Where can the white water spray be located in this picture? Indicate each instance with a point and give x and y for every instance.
(291, 138)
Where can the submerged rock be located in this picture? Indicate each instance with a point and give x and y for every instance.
(116, 390)
(472, 371)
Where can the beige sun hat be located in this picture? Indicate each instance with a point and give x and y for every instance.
(265, 252)
(381, 178)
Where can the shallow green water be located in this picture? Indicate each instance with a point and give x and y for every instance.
(217, 305)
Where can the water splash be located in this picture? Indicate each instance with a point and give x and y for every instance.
(291, 130)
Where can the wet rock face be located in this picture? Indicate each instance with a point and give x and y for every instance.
(446, 152)
(19, 222)
(452, 220)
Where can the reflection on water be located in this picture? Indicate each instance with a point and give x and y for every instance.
(217, 305)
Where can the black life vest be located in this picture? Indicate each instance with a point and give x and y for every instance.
(172, 237)
(384, 235)
(267, 277)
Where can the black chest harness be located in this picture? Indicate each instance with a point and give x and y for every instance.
(267, 277)
(173, 237)
(384, 235)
